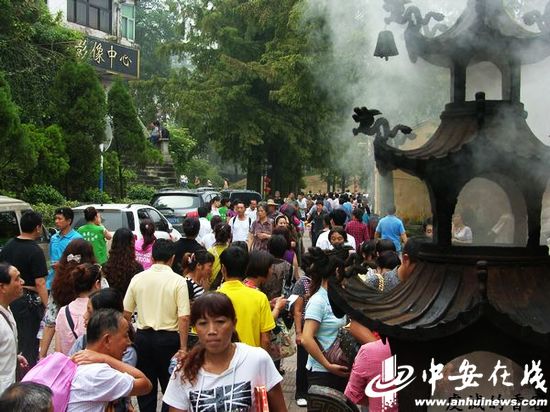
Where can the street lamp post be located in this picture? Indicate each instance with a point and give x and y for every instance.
(103, 147)
(101, 150)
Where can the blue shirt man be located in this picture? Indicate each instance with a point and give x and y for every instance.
(63, 219)
(391, 227)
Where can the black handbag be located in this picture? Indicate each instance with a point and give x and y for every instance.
(343, 350)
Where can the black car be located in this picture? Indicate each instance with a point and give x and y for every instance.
(244, 195)
(177, 204)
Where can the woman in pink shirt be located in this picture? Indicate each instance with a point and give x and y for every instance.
(368, 366)
(70, 322)
(144, 246)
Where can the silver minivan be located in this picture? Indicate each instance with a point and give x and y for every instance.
(10, 217)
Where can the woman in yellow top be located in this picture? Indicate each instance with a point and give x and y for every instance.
(222, 233)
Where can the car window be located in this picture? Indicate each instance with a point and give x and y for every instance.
(176, 201)
(8, 226)
(142, 214)
(111, 219)
(158, 220)
(131, 222)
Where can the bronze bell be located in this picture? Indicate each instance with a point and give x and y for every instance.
(385, 46)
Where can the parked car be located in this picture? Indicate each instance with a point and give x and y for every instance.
(10, 223)
(244, 195)
(115, 216)
(177, 204)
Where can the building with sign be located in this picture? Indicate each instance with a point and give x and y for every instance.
(109, 28)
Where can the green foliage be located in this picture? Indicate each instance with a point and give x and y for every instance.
(246, 87)
(141, 192)
(8, 193)
(95, 196)
(16, 151)
(129, 141)
(157, 24)
(181, 146)
(79, 108)
(43, 194)
(52, 160)
(33, 46)
(47, 210)
(128, 136)
(203, 169)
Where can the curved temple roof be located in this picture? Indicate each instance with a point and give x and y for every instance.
(483, 32)
(441, 299)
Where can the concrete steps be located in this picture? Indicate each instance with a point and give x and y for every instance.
(159, 176)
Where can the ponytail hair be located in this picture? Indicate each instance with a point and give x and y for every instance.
(85, 276)
(147, 229)
(323, 266)
(190, 261)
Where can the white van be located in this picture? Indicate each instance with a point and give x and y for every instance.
(11, 211)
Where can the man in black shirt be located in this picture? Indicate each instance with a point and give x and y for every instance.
(24, 253)
(316, 219)
(187, 244)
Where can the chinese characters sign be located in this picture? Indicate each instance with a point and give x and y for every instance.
(108, 56)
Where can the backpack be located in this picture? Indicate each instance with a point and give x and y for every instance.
(233, 222)
(164, 133)
(56, 371)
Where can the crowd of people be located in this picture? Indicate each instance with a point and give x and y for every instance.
(205, 319)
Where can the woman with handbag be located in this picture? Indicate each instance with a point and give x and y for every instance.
(258, 271)
(321, 326)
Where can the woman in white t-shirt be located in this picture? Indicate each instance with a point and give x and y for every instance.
(219, 373)
(462, 234)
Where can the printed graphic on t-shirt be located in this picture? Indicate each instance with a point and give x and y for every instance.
(229, 398)
(90, 236)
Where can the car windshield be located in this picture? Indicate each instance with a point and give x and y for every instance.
(112, 219)
(8, 226)
(176, 202)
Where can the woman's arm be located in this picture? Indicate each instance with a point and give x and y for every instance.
(361, 333)
(280, 304)
(276, 399)
(308, 342)
(297, 310)
(296, 267)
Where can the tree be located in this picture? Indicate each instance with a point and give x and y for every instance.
(52, 161)
(16, 150)
(129, 142)
(249, 91)
(157, 24)
(33, 47)
(79, 108)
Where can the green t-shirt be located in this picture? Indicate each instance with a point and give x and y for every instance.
(223, 213)
(94, 234)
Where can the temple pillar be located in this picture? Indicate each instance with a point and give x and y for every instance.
(533, 200)
(384, 196)
(458, 82)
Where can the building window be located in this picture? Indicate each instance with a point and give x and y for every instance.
(128, 21)
(96, 14)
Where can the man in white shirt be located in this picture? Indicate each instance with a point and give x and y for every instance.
(205, 224)
(240, 224)
(101, 377)
(302, 205)
(11, 288)
(251, 211)
(337, 219)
